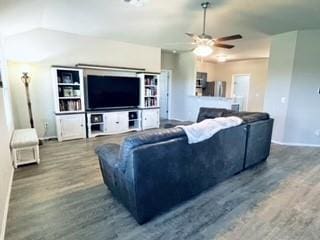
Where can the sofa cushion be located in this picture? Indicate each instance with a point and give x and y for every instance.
(147, 137)
(248, 117)
(205, 113)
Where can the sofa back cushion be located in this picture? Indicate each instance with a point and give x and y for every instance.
(248, 117)
(146, 137)
(205, 113)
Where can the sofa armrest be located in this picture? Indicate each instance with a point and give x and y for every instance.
(109, 160)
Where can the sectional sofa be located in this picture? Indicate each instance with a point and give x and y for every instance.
(153, 171)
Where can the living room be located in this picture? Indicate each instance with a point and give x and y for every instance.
(149, 120)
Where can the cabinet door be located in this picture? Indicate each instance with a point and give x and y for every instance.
(71, 127)
(117, 122)
(150, 118)
(123, 121)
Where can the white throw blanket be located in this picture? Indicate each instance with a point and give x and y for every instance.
(205, 129)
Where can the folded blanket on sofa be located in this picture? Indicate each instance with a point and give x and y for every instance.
(205, 129)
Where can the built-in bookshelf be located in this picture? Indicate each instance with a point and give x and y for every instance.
(68, 86)
(149, 84)
(69, 103)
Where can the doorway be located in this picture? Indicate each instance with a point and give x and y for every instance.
(165, 90)
(240, 90)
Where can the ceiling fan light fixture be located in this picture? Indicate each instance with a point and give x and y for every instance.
(203, 50)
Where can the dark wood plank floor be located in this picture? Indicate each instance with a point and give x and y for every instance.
(64, 198)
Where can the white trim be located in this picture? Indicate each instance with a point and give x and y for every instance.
(6, 208)
(169, 91)
(232, 87)
(176, 119)
(48, 138)
(296, 144)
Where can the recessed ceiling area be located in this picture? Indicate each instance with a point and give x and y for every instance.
(163, 23)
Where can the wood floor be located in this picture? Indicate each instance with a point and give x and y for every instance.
(64, 198)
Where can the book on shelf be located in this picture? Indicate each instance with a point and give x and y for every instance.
(151, 80)
(150, 91)
(151, 102)
(70, 105)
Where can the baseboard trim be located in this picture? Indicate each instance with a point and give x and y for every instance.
(48, 138)
(295, 144)
(6, 209)
(176, 119)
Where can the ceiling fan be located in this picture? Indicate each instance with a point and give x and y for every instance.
(205, 42)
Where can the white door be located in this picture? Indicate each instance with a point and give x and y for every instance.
(164, 93)
(241, 86)
(71, 127)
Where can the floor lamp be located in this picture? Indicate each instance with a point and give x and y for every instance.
(26, 81)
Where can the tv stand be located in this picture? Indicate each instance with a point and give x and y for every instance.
(120, 121)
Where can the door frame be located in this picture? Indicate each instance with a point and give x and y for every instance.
(232, 85)
(169, 90)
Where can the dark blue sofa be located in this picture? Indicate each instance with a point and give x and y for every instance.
(155, 170)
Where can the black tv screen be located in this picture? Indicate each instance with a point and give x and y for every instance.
(112, 92)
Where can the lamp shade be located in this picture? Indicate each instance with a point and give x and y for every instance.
(203, 50)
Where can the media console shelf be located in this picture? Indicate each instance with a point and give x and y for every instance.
(113, 122)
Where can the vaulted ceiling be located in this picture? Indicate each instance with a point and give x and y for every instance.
(163, 23)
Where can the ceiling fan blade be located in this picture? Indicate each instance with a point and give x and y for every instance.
(193, 36)
(229, 38)
(220, 45)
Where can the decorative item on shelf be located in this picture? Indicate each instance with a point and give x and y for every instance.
(68, 92)
(67, 78)
(25, 78)
(76, 92)
(133, 115)
(98, 118)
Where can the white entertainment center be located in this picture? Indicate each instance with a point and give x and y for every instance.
(74, 122)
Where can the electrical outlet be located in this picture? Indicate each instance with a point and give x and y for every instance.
(317, 132)
(45, 124)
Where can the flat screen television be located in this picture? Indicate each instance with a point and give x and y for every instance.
(104, 92)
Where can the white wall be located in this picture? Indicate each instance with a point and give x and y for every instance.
(6, 127)
(43, 48)
(279, 80)
(208, 67)
(185, 105)
(292, 97)
(168, 60)
(302, 123)
(258, 70)
(182, 84)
